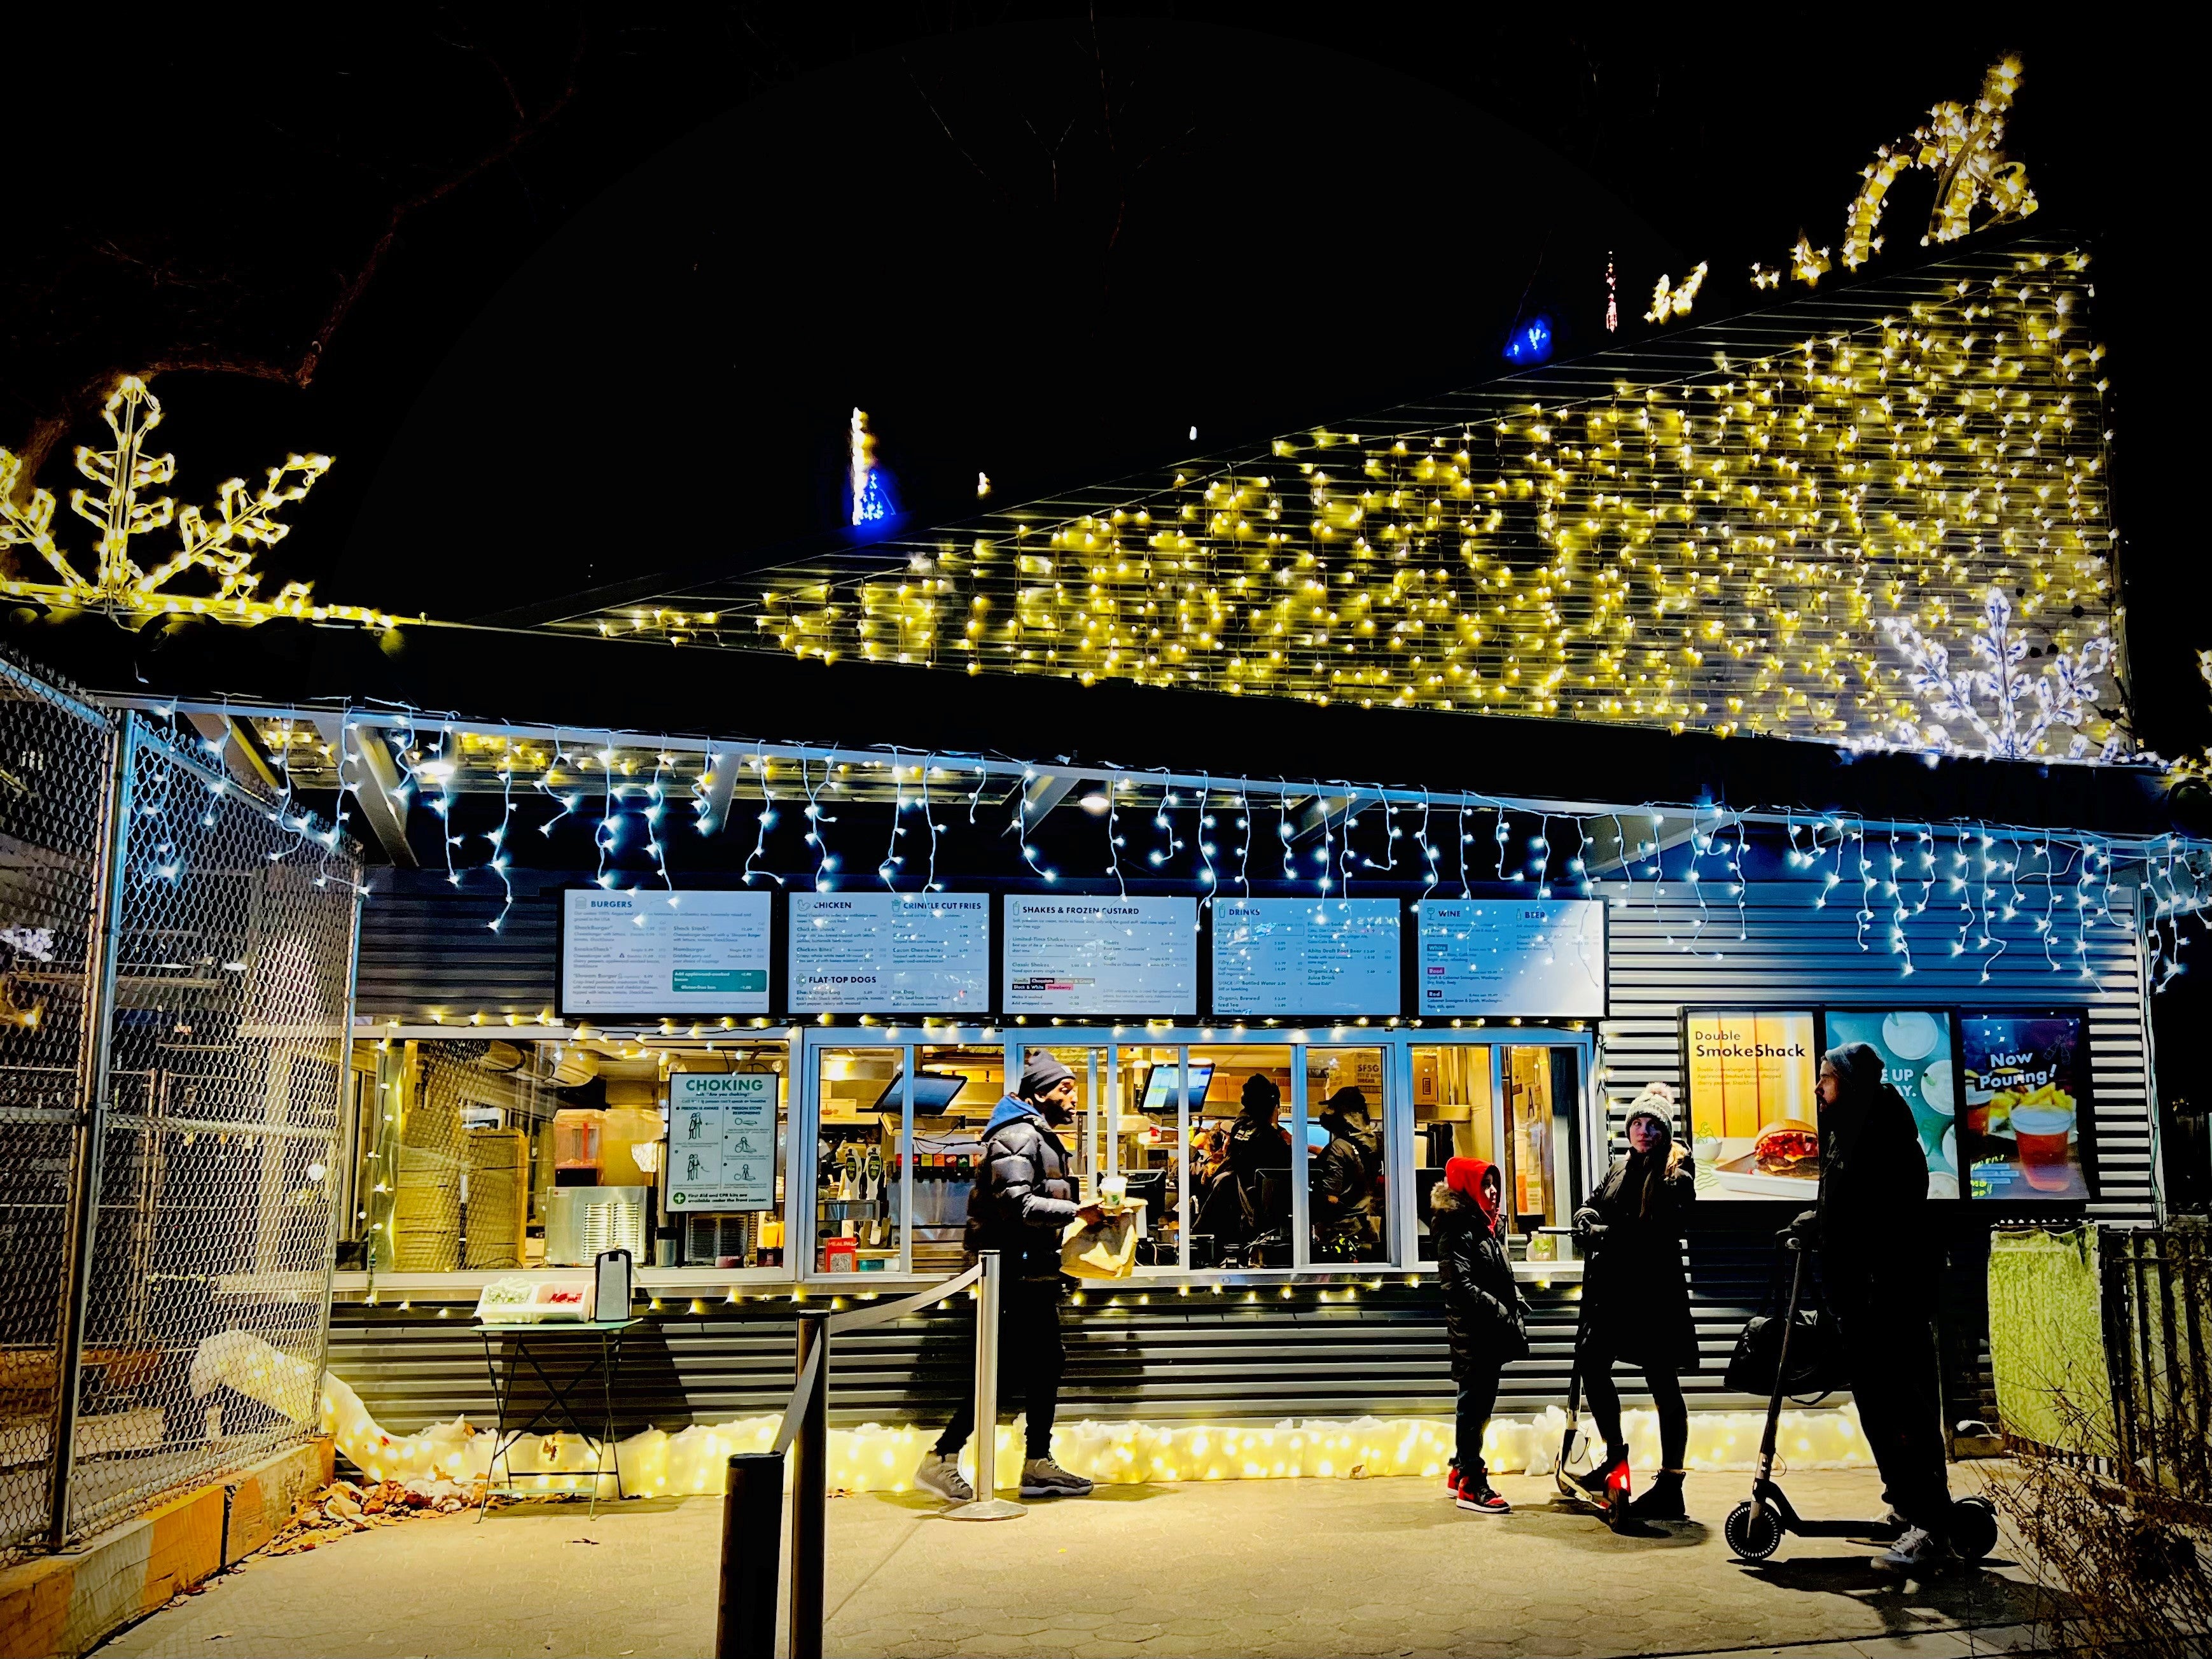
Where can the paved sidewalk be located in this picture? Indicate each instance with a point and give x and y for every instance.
(1263, 1568)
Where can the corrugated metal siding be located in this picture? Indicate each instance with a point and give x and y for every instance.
(1244, 1356)
(1264, 1358)
(428, 949)
(1790, 955)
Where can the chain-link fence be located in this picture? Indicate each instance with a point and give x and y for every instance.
(173, 1044)
(56, 760)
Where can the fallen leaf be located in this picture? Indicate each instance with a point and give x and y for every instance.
(219, 1636)
(583, 1540)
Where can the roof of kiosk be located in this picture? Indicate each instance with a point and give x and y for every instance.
(1824, 520)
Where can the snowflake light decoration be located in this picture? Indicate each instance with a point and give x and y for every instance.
(2008, 709)
(221, 543)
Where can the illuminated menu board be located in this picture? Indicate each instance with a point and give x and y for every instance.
(1100, 957)
(1540, 957)
(1305, 956)
(650, 952)
(890, 953)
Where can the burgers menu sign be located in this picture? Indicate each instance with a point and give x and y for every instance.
(1752, 1108)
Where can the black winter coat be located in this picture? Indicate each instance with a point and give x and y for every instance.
(1482, 1307)
(1024, 1194)
(1636, 1297)
(1873, 1189)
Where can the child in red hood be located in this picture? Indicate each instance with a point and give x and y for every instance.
(1482, 1315)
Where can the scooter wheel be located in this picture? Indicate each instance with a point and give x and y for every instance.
(1751, 1536)
(1974, 1527)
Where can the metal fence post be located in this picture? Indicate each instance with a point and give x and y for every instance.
(83, 1226)
(752, 1533)
(809, 1480)
(987, 1505)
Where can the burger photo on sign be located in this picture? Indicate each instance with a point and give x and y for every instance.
(1753, 1103)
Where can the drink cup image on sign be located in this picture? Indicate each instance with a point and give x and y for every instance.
(2020, 1129)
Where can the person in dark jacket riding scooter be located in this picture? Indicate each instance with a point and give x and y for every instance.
(1024, 1199)
(1636, 1297)
(1876, 1266)
(1482, 1316)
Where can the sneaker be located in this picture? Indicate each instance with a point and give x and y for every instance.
(1477, 1496)
(1918, 1552)
(941, 1474)
(1452, 1479)
(1042, 1477)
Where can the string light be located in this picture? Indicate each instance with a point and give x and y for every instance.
(1697, 552)
(218, 545)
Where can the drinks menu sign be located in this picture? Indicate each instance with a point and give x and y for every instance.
(1302, 956)
(1917, 1061)
(2027, 1100)
(1073, 955)
(1753, 1106)
(647, 952)
(890, 953)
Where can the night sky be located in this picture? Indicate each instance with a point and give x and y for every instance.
(1029, 243)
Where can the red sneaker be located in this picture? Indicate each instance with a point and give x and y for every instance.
(1478, 1497)
(1451, 1481)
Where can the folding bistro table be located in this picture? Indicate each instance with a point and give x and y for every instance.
(600, 1341)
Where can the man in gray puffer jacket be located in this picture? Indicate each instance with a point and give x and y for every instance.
(1025, 1197)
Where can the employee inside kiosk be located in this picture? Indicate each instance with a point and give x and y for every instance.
(488, 1156)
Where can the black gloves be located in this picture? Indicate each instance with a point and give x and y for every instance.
(1588, 1227)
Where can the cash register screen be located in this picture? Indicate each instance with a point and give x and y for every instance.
(1160, 1087)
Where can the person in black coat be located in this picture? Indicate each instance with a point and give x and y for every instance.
(1025, 1197)
(1250, 1198)
(1877, 1262)
(1345, 1176)
(1636, 1298)
(1482, 1316)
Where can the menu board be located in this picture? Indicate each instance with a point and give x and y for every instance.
(1543, 958)
(1755, 1123)
(2028, 1078)
(721, 1140)
(1305, 956)
(890, 953)
(1073, 955)
(1917, 1060)
(645, 952)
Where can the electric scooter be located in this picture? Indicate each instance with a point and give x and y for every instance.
(1753, 1529)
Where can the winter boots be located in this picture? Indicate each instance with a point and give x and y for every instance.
(1664, 1502)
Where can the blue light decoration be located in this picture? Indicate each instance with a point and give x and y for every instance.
(1530, 343)
(875, 506)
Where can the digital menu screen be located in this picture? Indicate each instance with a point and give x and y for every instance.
(1541, 958)
(1305, 956)
(2024, 1136)
(890, 953)
(1085, 956)
(651, 952)
(1753, 1106)
(1920, 1062)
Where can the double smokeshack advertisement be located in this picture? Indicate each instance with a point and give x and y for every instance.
(2000, 1098)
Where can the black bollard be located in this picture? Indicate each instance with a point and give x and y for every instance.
(809, 1484)
(752, 1552)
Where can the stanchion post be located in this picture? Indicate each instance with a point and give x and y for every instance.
(987, 1505)
(810, 1484)
(752, 1547)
